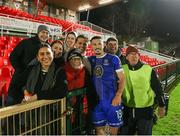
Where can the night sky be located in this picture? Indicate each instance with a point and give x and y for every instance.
(166, 18)
(163, 17)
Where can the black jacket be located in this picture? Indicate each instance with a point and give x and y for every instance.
(58, 89)
(24, 52)
(20, 57)
(59, 61)
(121, 56)
(92, 95)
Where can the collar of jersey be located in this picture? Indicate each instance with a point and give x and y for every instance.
(102, 56)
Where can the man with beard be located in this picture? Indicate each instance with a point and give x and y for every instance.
(23, 56)
(106, 71)
(112, 48)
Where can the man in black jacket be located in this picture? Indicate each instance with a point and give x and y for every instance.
(23, 56)
(142, 85)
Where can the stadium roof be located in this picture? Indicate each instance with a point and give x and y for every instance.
(80, 5)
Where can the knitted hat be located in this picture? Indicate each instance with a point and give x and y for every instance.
(43, 27)
(131, 49)
(74, 53)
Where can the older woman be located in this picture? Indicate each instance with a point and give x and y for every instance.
(79, 77)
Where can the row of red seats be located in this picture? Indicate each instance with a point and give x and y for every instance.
(65, 24)
(148, 60)
(6, 71)
(17, 13)
(5, 78)
(7, 44)
(161, 72)
(169, 69)
(89, 51)
(152, 62)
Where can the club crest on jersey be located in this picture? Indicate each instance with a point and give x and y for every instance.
(106, 62)
(98, 71)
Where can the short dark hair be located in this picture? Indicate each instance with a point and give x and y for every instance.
(80, 36)
(111, 39)
(95, 37)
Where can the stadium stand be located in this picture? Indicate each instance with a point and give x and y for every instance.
(165, 66)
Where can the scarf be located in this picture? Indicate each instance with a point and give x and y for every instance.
(75, 77)
(34, 75)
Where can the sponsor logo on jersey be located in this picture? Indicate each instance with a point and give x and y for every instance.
(106, 62)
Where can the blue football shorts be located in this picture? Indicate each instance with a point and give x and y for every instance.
(106, 114)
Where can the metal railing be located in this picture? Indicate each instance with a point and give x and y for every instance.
(47, 117)
(78, 119)
(33, 118)
(71, 27)
(97, 28)
(169, 58)
(28, 28)
(168, 73)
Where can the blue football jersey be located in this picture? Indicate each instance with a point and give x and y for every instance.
(104, 75)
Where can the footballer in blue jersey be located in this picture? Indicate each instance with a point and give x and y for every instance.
(108, 78)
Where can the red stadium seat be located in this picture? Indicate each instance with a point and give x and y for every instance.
(1, 61)
(5, 78)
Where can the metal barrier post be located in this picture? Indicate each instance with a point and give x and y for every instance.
(166, 76)
(63, 119)
(77, 126)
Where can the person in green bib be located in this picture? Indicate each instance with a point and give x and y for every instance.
(142, 89)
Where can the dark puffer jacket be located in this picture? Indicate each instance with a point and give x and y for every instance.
(20, 58)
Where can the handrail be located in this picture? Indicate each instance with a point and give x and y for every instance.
(30, 109)
(170, 74)
(34, 117)
(22, 25)
(165, 64)
(71, 26)
(158, 53)
(28, 19)
(91, 26)
(19, 108)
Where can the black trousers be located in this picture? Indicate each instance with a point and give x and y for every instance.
(137, 126)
